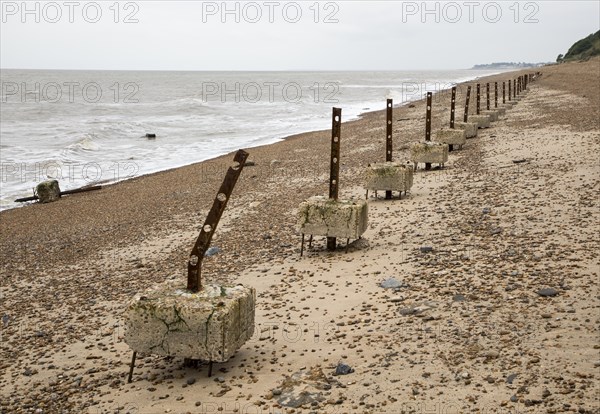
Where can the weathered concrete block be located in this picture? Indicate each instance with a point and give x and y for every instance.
(483, 121)
(429, 152)
(321, 216)
(48, 191)
(389, 176)
(469, 127)
(451, 136)
(492, 114)
(501, 111)
(508, 105)
(210, 325)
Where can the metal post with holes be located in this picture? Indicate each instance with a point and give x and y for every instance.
(503, 92)
(509, 91)
(452, 107)
(495, 94)
(466, 116)
(388, 140)
(515, 88)
(428, 124)
(334, 166)
(478, 99)
(452, 110)
(487, 96)
(194, 282)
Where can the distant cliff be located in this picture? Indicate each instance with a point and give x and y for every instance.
(582, 49)
(508, 65)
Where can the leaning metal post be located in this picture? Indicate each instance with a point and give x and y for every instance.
(194, 282)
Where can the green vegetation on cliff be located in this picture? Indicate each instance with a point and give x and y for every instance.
(582, 49)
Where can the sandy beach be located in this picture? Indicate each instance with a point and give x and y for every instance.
(464, 331)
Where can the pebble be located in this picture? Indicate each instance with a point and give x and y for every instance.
(391, 283)
(547, 292)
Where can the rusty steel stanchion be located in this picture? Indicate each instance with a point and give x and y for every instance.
(495, 94)
(503, 92)
(452, 109)
(194, 275)
(334, 165)
(478, 99)
(194, 282)
(509, 91)
(466, 116)
(428, 125)
(487, 96)
(388, 140)
(514, 88)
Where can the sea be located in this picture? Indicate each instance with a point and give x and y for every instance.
(99, 127)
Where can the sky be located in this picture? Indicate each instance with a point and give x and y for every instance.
(288, 35)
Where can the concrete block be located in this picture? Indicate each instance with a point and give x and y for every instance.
(492, 114)
(429, 152)
(454, 136)
(321, 216)
(209, 325)
(501, 111)
(389, 176)
(48, 191)
(483, 121)
(469, 127)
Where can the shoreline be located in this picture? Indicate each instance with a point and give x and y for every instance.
(274, 141)
(466, 329)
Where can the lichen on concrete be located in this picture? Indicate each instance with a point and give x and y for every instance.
(455, 136)
(430, 152)
(388, 176)
(469, 127)
(321, 216)
(210, 325)
(483, 121)
(48, 191)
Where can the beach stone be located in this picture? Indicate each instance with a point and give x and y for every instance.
(547, 292)
(451, 136)
(343, 369)
(458, 298)
(429, 152)
(209, 325)
(389, 176)
(469, 127)
(211, 251)
(391, 283)
(492, 114)
(304, 388)
(482, 121)
(48, 191)
(321, 216)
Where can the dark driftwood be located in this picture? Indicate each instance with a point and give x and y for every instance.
(62, 193)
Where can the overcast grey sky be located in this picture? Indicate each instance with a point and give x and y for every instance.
(287, 35)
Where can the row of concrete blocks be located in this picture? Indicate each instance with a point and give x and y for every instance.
(215, 322)
(321, 216)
